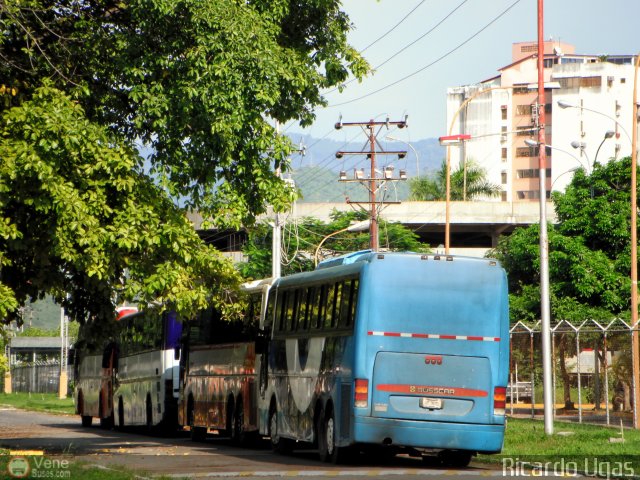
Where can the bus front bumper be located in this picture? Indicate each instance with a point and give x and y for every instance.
(429, 435)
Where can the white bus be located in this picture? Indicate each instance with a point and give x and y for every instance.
(147, 371)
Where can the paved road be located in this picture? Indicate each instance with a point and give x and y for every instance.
(181, 458)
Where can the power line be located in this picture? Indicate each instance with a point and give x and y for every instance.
(393, 28)
(405, 47)
(504, 12)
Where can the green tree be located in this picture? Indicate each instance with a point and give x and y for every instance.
(200, 85)
(472, 180)
(81, 223)
(589, 255)
(301, 241)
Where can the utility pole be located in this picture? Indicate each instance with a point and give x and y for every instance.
(278, 221)
(373, 182)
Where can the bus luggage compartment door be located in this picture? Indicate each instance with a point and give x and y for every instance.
(433, 387)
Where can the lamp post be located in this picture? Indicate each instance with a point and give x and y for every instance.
(394, 139)
(608, 134)
(354, 227)
(563, 104)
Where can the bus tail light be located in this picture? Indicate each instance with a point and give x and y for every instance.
(361, 395)
(499, 400)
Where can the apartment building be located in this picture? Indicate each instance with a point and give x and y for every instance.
(501, 114)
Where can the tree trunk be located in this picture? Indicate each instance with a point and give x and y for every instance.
(566, 381)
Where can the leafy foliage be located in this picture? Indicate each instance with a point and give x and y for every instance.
(78, 217)
(200, 85)
(589, 259)
(196, 81)
(301, 241)
(470, 180)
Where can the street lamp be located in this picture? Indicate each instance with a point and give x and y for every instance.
(607, 134)
(563, 104)
(362, 226)
(533, 143)
(394, 139)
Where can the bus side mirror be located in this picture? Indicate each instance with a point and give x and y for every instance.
(176, 353)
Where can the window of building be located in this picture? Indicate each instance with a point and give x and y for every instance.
(531, 194)
(503, 177)
(504, 112)
(575, 82)
(503, 195)
(504, 154)
(531, 173)
(525, 131)
(523, 110)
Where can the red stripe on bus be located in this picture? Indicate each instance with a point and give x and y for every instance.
(434, 336)
(431, 390)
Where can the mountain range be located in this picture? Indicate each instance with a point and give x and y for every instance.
(316, 173)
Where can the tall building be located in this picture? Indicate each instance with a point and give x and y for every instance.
(501, 113)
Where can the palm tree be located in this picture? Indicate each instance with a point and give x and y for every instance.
(434, 188)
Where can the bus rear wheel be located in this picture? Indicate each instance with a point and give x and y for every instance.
(237, 429)
(120, 413)
(85, 419)
(278, 444)
(327, 448)
(455, 458)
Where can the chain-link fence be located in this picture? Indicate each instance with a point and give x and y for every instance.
(592, 371)
(39, 377)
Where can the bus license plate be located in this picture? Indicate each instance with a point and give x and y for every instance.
(431, 403)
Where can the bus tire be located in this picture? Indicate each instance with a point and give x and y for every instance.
(237, 428)
(120, 413)
(229, 418)
(106, 423)
(327, 445)
(87, 420)
(198, 434)
(455, 458)
(149, 411)
(278, 444)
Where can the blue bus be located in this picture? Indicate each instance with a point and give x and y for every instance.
(401, 351)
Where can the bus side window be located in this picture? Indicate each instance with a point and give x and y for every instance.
(337, 320)
(280, 314)
(322, 306)
(330, 307)
(303, 319)
(353, 300)
(343, 306)
(313, 307)
(268, 314)
(292, 310)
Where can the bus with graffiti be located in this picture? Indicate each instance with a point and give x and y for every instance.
(400, 351)
(95, 369)
(218, 392)
(147, 383)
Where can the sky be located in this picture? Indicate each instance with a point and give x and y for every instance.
(463, 42)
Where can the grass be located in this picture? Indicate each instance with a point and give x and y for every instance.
(39, 402)
(526, 440)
